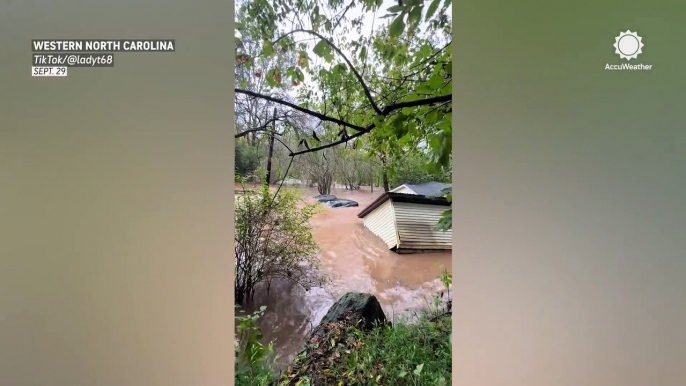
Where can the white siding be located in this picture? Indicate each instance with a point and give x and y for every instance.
(381, 222)
(403, 189)
(415, 224)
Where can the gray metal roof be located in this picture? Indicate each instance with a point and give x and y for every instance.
(430, 189)
(403, 197)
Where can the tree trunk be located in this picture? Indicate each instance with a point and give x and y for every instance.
(272, 133)
(386, 188)
(373, 177)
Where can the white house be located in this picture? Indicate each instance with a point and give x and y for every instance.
(405, 218)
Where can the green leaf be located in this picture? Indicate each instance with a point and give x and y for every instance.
(444, 224)
(424, 88)
(321, 48)
(303, 60)
(447, 89)
(435, 82)
(298, 75)
(402, 374)
(424, 50)
(267, 48)
(432, 9)
(415, 15)
(363, 54)
(398, 26)
(418, 370)
(398, 125)
(396, 8)
(412, 97)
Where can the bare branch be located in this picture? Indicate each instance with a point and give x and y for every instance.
(301, 109)
(284, 145)
(340, 18)
(387, 110)
(256, 129)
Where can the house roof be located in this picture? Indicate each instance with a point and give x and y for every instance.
(402, 197)
(432, 189)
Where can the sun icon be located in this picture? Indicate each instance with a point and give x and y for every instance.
(628, 45)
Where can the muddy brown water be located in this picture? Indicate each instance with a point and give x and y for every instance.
(355, 260)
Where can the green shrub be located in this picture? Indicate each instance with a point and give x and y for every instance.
(254, 361)
(247, 159)
(273, 241)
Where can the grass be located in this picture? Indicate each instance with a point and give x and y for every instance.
(258, 375)
(405, 354)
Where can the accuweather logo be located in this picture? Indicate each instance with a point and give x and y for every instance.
(628, 45)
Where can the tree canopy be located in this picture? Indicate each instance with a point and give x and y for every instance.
(372, 76)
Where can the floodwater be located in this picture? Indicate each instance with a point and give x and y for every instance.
(355, 260)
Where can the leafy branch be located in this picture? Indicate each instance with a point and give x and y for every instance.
(387, 110)
(319, 47)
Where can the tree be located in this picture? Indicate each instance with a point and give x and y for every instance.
(354, 169)
(247, 160)
(415, 168)
(321, 165)
(258, 119)
(394, 86)
(253, 115)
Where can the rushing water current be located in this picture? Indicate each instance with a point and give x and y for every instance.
(355, 260)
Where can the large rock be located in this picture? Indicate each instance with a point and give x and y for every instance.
(362, 308)
(319, 355)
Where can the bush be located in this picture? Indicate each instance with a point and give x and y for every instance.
(247, 159)
(254, 361)
(274, 242)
